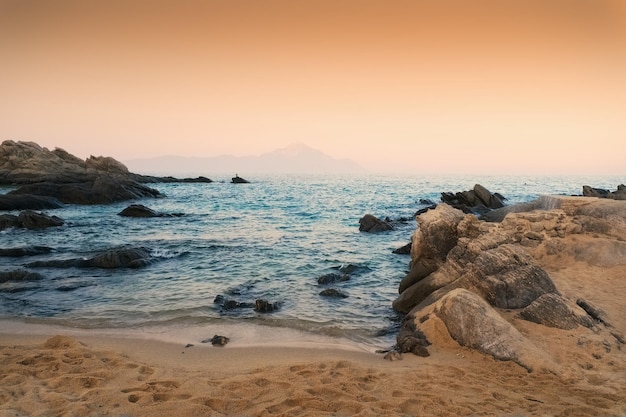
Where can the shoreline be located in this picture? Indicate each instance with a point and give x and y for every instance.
(241, 335)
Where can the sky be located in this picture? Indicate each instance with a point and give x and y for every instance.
(419, 86)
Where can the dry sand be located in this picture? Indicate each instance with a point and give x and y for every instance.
(90, 375)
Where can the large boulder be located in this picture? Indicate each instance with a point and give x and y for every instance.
(473, 323)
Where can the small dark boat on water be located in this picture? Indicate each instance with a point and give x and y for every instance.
(238, 180)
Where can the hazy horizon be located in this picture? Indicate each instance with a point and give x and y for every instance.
(400, 86)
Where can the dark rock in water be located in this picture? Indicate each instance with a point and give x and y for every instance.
(333, 293)
(29, 220)
(427, 202)
(138, 210)
(425, 209)
(404, 250)
(32, 220)
(331, 278)
(19, 275)
(217, 340)
(552, 310)
(619, 194)
(8, 221)
(372, 224)
(28, 202)
(230, 304)
(122, 258)
(26, 251)
(238, 180)
(264, 306)
(115, 258)
(102, 190)
(351, 269)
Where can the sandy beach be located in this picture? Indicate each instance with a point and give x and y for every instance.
(88, 375)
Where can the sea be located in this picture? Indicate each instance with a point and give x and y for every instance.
(270, 239)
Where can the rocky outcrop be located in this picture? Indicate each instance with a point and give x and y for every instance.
(477, 200)
(49, 177)
(29, 219)
(102, 190)
(372, 224)
(466, 274)
(619, 194)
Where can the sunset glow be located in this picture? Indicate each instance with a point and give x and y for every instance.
(414, 86)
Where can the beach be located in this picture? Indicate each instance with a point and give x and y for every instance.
(89, 374)
(55, 370)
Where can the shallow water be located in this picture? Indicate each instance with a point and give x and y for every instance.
(270, 239)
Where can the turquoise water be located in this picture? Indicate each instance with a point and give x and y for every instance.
(270, 239)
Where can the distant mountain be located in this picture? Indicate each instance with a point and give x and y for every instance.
(296, 158)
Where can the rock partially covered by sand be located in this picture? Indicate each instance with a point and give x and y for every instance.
(474, 276)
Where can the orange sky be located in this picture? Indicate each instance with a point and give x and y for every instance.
(500, 86)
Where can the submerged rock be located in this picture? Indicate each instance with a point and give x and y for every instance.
(332, 278)
(25, 251)
(19, 275)
(333, 293)
(28, 202)
(264, 306)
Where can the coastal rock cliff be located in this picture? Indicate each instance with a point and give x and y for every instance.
(475, 283)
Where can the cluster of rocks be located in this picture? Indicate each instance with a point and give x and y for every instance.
(619, 194)
(464, 272)
(478, 200)
(110, 259)
(260, 305)
(49, 179)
